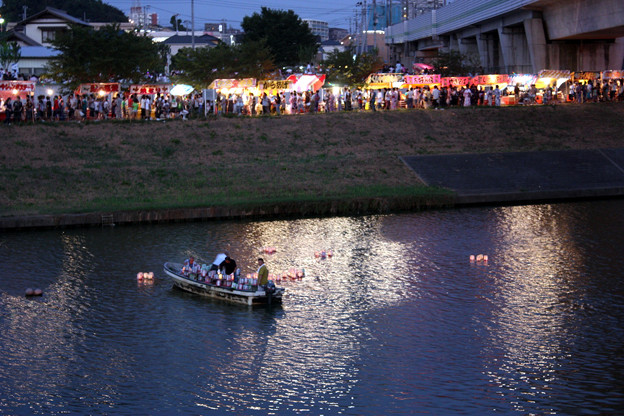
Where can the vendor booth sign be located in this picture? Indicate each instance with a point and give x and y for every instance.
(496, 79)
(150, 89)
(455, 81)
(585, 76)
(613, 74)
(275, 85)
(99, 88)
(218, 84)
(422, 79)
(17, 87)
(384, 78)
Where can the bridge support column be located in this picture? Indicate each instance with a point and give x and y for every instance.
(514, 49)
(616, 54)
(536, 41)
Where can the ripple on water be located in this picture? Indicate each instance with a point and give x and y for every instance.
(397, 321)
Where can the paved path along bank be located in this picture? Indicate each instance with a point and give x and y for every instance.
(485, 178)
(520, 177)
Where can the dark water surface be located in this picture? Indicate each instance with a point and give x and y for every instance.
(398, 321)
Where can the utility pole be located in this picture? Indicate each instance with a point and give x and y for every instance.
(24, 8)
(193, 24)
(364, 29)
(146, 17)
(375, 21)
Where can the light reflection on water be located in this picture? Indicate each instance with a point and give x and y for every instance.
(397, 321)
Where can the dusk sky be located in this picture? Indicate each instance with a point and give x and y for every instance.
(336, 12)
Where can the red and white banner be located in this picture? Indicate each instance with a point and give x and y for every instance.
(491, 79)
(17, 86)
(422, 79)
(455, 81)
(98, 87)
(150, 89)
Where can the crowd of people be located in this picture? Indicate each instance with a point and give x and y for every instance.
(424, 97)
(96, 107)
(147, 107)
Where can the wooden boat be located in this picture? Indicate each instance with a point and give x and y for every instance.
(245, 297)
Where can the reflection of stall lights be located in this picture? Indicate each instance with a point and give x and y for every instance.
(50, 92)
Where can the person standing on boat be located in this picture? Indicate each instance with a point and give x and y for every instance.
(216, 264)
(263, 273)
(228, 265)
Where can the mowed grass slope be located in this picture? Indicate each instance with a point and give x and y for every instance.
(118, 165)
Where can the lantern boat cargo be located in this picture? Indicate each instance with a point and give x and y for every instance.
(237, 290)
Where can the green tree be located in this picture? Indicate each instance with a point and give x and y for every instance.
(200, 66)
(347, 68)
(10, 53)
(176, 24)
(105, 55)
(285, 34)
(92, 10)
(454, 64)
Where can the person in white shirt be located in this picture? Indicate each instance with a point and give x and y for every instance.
(216, 264)
(497, 96)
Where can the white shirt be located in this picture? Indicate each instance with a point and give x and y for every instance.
(219, 259)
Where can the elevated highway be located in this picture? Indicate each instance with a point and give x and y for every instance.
(520, 36)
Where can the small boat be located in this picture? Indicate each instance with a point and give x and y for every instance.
(255, 296)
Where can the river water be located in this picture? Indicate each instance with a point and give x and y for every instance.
(398, 321)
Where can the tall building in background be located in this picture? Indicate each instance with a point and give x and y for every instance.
(318, 28)
(140, 16)
(336, 33)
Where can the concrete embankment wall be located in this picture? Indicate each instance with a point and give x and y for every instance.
(360, 206)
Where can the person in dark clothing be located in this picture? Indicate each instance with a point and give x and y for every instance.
(228, 265)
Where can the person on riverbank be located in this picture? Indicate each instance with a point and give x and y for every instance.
(8, 110)
(497, 96)
(263, 273)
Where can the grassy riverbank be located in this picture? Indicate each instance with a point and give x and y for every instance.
(118, 165)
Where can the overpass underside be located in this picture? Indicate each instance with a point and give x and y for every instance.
(579, 35)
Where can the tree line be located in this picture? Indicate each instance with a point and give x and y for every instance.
(273, 39)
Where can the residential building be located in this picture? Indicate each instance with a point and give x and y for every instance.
(318, 28)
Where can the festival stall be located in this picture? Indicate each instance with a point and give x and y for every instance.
(491, 81)
(224, 87)
(14, 89)
(524, 82)
(552, 78)
(306, 82)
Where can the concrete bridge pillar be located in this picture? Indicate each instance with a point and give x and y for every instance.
(468, 46)
(616, 54)
(536, 41)
(514, 49)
